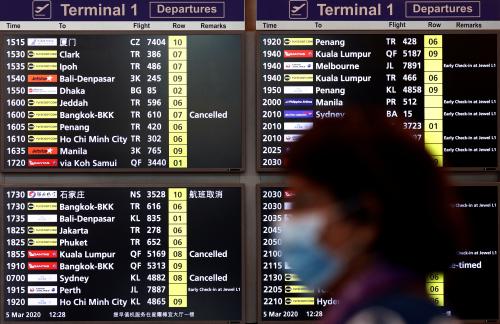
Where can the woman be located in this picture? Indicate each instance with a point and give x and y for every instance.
(371, 219)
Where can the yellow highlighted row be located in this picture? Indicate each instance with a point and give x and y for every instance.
(177, 265)
(433, 138)
(177, 162)
(433, 77)
(433, 96)
(177, 242)
(177, 126)
(177, 194)
(177, 101)
(177, 247)
(433, 125)
(177, 301)
(177, 138)
(435, 287)
(177, 206)
(433, 41)
(434, 149)
(433, 66)
(177, 218)
(435, 53)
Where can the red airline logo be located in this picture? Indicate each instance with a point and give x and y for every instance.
(32, 150)
(42, 265)
(42, 163)
(42, 254)
(299, 53)
(42, 78)
(289, 193)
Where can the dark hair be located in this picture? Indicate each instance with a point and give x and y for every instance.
(364, 155)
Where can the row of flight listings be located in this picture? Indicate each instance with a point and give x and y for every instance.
(173, 102)
(177, 253)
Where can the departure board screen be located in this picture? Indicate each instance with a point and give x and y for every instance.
(122, 253)
(122, 102)
(467, 290)
(283, 297)
(442, 87)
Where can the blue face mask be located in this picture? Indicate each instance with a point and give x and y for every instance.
(300, 243)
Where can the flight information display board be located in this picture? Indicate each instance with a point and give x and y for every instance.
(119, 102)
(317, 15)
(122, 253)
(441, 86)
(282, 296)
(469, 287)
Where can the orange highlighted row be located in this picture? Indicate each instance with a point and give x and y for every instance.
(42, 150)
(52, 78)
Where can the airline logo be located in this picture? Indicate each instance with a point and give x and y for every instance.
(42, 277)
(42, 206)
(42, 218)
(42, 138)
(42, 54)
(49, 78)
(290, 138)
(298, 78)
(296, 41)
(298, 90)
(291, 277)
(42, 102)
(36, 266)
(42, 41)
(296, 301)
(42, 90)
(292, 102)
(42, 194)
(288, 205)
(46, 114)
(42, 163)
(298, 126)
(42, 126)
(42, 242)
(34, 150)
(299, 114)
(42, 254)
(42, 66)
(298, 66)
(298, 290)
(289, 193)
(42, 301)
(42, 230)
(297, 54)
(42, 290)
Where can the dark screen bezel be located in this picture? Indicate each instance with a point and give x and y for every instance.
(3, 187)
(188, 170)
(258, 107)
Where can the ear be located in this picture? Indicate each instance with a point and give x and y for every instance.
(368, 209)
(367, 229)
(366, 235)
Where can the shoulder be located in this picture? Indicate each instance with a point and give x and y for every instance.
(383, 315)
(400, 309)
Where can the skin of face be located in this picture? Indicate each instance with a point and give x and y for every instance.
(348, 239)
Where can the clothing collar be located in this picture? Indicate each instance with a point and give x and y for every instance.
(378, 279)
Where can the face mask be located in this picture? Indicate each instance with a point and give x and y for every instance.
(300, 243)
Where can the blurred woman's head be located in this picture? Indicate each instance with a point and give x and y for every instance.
(366, 190)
